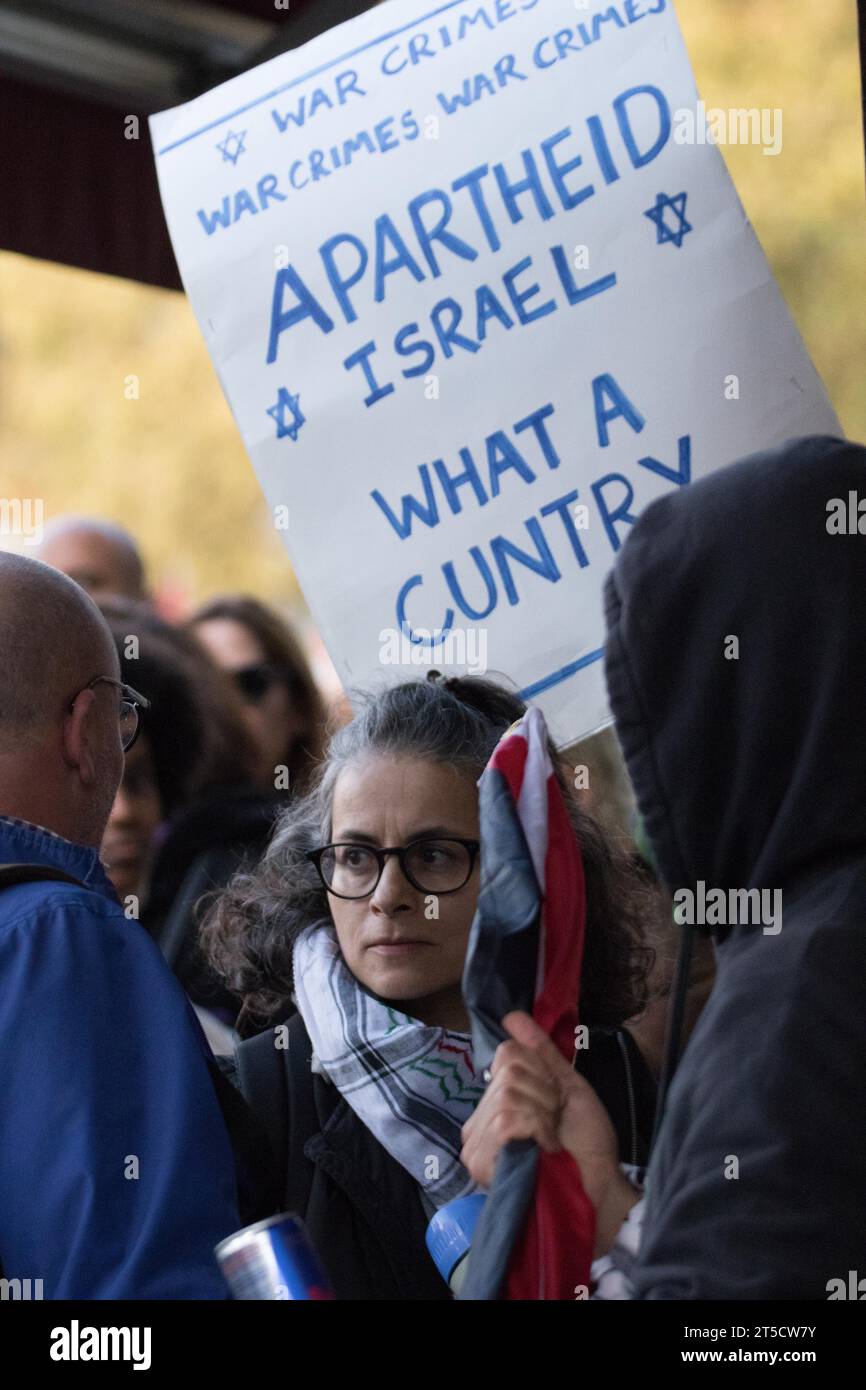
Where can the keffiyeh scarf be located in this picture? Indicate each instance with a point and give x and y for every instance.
(411, 1084)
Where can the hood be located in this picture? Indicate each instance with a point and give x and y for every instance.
(747, 771)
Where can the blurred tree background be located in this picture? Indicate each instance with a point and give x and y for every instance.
(170, 465)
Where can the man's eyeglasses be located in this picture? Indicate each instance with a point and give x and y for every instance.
(431, 865)
(254, 682)
(130, 704)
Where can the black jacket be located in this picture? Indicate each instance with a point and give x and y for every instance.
(205, 844)
(362, 1210)
(749, 773)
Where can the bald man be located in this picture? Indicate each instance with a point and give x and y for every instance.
(101, 557)
(116, 1171)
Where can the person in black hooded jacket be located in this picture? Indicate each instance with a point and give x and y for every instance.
(736, 666)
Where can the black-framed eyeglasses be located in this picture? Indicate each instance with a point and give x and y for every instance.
(130, 704)
(254, 682)
(440, 864)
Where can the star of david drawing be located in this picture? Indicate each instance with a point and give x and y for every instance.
(656, 214)
(232, 147)
(287, 415)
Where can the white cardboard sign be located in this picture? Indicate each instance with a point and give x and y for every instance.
(476, 295)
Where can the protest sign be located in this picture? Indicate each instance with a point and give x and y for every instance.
(478, 288)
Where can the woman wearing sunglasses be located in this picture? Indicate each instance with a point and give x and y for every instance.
(360, 913)
(282, 707)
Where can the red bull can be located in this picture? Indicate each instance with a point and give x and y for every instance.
(273, 1259)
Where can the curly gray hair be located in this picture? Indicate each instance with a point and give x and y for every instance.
(251, 927)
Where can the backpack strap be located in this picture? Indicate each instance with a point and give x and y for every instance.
(304, 1118)
(260, 1077)
(277, 1084)
(260, 1180)
(10, 874)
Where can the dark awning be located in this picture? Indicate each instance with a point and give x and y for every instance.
(75, 188)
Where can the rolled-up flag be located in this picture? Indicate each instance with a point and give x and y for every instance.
(535, 1236)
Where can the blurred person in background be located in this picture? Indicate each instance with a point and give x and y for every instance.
(283, 709)
(100, 556)
(649, 1028)
(165, 765)
(188, 812)
(602, 789)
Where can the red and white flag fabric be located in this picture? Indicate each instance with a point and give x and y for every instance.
(535, 1236)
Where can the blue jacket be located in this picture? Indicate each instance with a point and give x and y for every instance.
(117, 1176)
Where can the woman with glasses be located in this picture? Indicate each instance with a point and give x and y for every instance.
(282, 707)
(360, 913)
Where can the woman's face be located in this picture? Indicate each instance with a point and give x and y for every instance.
(135, 817)
(392, 940)
(268, 713)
